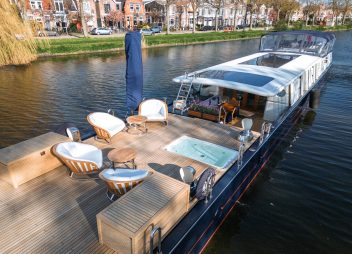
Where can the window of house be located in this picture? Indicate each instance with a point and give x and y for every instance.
(131, 7)
(138, 7)
(86, 7)
(59, 5)
(36, 4)
(118, 6)
(107, 8)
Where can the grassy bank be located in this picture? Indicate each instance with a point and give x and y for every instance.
(106, 44)
(87, 45)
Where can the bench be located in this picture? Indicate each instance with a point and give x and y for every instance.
(159, 201)
(29, 159)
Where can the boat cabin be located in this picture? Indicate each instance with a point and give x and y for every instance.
(261, 86)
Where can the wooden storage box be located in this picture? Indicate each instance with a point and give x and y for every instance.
(125, 225)
(29, 159)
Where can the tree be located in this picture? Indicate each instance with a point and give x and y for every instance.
(288, 7)
(346, 7)
(280, 6)
(195, 5)
(235, 5)
(115, 17)
(167, 4)
(217, 5)
(311, 8)
(17, 45)
(78, 4)
(251, 8)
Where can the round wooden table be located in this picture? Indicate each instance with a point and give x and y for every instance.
(123, 156)
(136, 124)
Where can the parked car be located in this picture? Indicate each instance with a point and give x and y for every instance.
(101, 31)
(41, 33)
(146, 31)
(156, 29)
(241, 26)
(207, 28)
(228, 29)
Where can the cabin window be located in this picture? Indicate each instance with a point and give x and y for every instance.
(276, 105)
(306, 81)
(295, 91)
(312, 78)
(301, 81)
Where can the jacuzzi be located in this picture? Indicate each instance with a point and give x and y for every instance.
(208, 153)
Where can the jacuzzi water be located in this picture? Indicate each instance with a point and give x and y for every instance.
(203, 151)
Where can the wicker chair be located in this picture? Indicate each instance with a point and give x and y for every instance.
(154, 110)
(81, 159)
(105, 125)
(227, 108)
(120, 181)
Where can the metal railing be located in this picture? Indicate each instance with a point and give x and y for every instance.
(151, 241)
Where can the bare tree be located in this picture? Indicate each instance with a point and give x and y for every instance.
(167, 4)
(235, 5)
(217, 5)
(115, 17)
(310, 9)
(79, 6)
(195, 4)
(346, 7)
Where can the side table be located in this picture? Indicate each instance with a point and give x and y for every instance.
(123, 156)
(136, 124)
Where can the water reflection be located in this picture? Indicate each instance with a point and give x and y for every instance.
(37, 98)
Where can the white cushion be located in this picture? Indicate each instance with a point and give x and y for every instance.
(153, 109)
(156, 117)
(110, 123)
(80, 152)
(123, 175)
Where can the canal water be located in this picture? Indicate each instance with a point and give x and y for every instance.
(300, 203)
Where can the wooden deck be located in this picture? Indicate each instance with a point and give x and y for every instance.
(54, 213)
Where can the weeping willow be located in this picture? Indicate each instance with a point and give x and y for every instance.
(17, 44)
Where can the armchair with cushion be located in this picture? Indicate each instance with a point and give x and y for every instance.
(120, 181)
(154, 110)
(81, 159)
(227, 108)
(105, 125)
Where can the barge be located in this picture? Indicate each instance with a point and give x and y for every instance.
(47, 211)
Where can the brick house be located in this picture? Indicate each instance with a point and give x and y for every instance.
(134, 13)
(49, 13)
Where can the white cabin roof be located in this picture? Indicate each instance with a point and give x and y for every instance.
(255, 79)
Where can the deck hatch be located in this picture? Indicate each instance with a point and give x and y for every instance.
(271, 60)
(236, 76)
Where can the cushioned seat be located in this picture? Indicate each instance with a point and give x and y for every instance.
(80, 158)
(105, 125)
(120, 181)
(154, 110)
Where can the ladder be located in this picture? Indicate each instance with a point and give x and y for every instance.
(182, 98)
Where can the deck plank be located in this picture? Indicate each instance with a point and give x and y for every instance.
(55, 214)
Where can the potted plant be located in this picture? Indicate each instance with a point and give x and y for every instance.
(194, 110)
(210, 114)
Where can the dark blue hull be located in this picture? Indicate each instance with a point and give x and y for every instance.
(192, 234)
